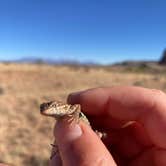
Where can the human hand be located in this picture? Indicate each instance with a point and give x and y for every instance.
(140, 143)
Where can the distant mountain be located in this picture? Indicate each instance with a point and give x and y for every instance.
(135, 63)
(36, 60)
(29, 60)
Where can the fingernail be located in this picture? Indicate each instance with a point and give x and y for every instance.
(74, 132)
(66, 132)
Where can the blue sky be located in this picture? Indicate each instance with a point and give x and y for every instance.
(103, 31)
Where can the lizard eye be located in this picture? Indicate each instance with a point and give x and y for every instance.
(81, 115)
(42, 106)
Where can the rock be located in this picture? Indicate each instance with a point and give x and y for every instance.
(163, 58)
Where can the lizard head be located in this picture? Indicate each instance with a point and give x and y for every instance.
(48, 107)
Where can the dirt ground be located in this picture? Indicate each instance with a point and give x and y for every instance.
(25, 135)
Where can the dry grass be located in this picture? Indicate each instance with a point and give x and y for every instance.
(24, 134)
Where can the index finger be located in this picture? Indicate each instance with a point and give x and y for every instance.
(145, 106)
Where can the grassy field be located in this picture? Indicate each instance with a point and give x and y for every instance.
(24, 134)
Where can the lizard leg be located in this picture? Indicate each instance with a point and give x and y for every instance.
(55, 150)
(74, 117)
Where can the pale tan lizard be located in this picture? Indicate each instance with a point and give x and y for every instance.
(60, 110)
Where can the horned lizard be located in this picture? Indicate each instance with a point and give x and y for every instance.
(60, 110)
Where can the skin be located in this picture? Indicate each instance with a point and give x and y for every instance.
(140, 143)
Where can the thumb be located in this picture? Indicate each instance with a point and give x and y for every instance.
(79, 145)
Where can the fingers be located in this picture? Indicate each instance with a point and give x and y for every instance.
(153, 156)
(128, 142)
(79, 145)
(128, 103)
